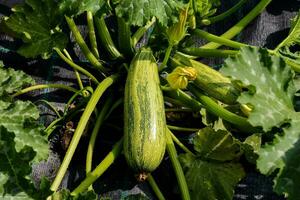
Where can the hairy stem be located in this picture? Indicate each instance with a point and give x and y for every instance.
(83, 46)
(155, 187)
(237, 28)
(44, 86)
(80, 129)
(100, 169)
(92, 34)
(200, 52)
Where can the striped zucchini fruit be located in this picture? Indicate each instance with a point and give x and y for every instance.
(144, 115)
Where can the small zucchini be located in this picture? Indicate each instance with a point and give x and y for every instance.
(144, 116)
(209, 80)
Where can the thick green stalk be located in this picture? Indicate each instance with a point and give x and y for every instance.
(177, 128)
(200, 52)
(80, 129)
(185, 195)
(106, 39)
(83, 46)
(100, 169)
(75, 66)
(214, 108)
(92, 34)
(97, 125)
(155, 187)
(49, 106)
(124, 38)
(227, 13)
(185, 99)
(182, 146)
(218, 39)
(141, 31)
(44, 86)
(237, 28)
(166, 58)
(76, 72)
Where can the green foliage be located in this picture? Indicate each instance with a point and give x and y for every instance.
(36, 22)
(139, 12)
(71, 7)
(269, 83)
(21, 141)
(214, 172)
(66, 195)
(205, 8)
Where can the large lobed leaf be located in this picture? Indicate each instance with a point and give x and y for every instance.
(270, 86)
(36, 23)
(21, 139)
(214, 171)
(139, 12)
(77, 7)
(270, 92)
(283, 154)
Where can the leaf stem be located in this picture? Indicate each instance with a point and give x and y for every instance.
(218, 39)
(124, 38)
(83, 46)
(182, 146)
(49, 106)
(177, 128)
(166, 58)
(100, 169)
(141, 31)
(80, 129)
(76, 67)
(155, 187)
(227, 13)
(106, 39)
(177, 167)
(76, 72)
(200, 52)
(237, 28)
(44, 86)
(97, 125)
(92, 34)
(221, 112)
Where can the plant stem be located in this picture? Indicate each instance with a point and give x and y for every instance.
(214, 108)
(100, 169)
(97, 125)
(92, 34)
(49, 106)
(75, 66)
(227, 13)
(141, 31)
(155, 187)
(114, 106)
(124, 38)
(80, 129)
(237, 28)
(166, 58)
(76, 72)
(50, 128)
(182, 146)
(177, 128)
(106, 39)
(200, 52)
(185, 99)
(185, 195)
(218, 39)
(44, 86)
(83, 46)
(178, 110)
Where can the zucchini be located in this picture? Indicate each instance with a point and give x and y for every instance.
(144, 116)
(209, 80)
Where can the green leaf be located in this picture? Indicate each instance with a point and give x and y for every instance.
(283, 154)
(139, 12)
(12, 81)
(15, 170)
(214, 172)
(36, 23)
(71, 7)
(251, 146)
(205, 8)
(269, 83)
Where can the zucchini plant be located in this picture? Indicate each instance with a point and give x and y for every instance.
(142, 90)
